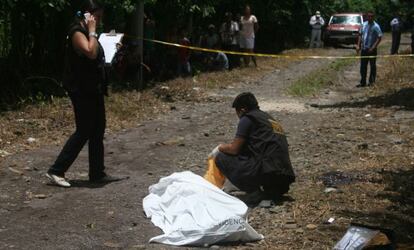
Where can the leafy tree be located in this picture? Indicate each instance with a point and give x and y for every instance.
(33, 32)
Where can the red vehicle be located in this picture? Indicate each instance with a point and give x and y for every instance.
(343, 28)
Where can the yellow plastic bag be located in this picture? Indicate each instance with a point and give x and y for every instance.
(277, 128)
(214, 175)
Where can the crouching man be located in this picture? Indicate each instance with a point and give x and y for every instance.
(257, 161)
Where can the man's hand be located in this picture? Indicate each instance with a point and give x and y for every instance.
(232, 148)
(214, 153)
(358, 49)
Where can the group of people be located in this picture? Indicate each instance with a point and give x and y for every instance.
(257, 161)
(369, 38)
(235, 34)
(317, 22)
(396, 29)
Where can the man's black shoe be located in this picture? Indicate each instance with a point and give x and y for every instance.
(254, 198)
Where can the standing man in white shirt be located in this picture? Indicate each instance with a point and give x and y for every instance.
(396, 26)
(229, 32)
(316, 22)
(248, 30)
(370, 37)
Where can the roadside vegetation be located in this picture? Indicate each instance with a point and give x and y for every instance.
(312, 83)
(33, 33)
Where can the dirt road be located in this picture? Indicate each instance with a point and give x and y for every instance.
(352, 136)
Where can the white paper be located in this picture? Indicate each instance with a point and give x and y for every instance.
(108, 42)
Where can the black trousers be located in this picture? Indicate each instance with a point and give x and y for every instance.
(412, 44)
(90, 127)
(246, 177)
(396, 39)
(364, 67)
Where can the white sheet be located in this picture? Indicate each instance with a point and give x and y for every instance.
(191, 211)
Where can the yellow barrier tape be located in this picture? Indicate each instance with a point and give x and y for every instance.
(273, 55)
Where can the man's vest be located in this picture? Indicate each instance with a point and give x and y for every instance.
(267, 146)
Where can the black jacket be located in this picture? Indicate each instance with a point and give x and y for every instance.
(81, 74)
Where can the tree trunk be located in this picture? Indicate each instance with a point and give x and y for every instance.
(137, 33)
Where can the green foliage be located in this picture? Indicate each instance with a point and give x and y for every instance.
(32, 32)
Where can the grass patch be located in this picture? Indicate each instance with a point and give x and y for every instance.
(396, 74)
(312, 83)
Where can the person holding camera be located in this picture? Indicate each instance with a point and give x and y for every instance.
(229, 32)
(316, 22)
(85, 81)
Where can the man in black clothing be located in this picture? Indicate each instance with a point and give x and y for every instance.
(396, 27)
(257, 161)
(412, 39)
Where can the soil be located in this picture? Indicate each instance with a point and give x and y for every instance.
(356, 143)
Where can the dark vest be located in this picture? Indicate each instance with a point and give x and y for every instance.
(81, 74)
(267, 146)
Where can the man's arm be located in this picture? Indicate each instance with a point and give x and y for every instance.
(256, 25)
(233, 148)
(377, 42)
(312, 21)
(236, 27)
(88, 47)
(358, 45)
(359, 41)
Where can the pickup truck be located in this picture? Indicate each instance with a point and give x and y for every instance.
(343, 28)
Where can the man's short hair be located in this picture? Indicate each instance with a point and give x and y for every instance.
(245, 100)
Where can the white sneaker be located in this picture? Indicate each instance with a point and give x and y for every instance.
(60, 181)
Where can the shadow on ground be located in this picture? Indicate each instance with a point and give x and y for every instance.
(399, 217)
(403, 98)
(93, 185)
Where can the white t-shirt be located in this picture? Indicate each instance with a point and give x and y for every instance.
(228, 33)
(247, 30)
